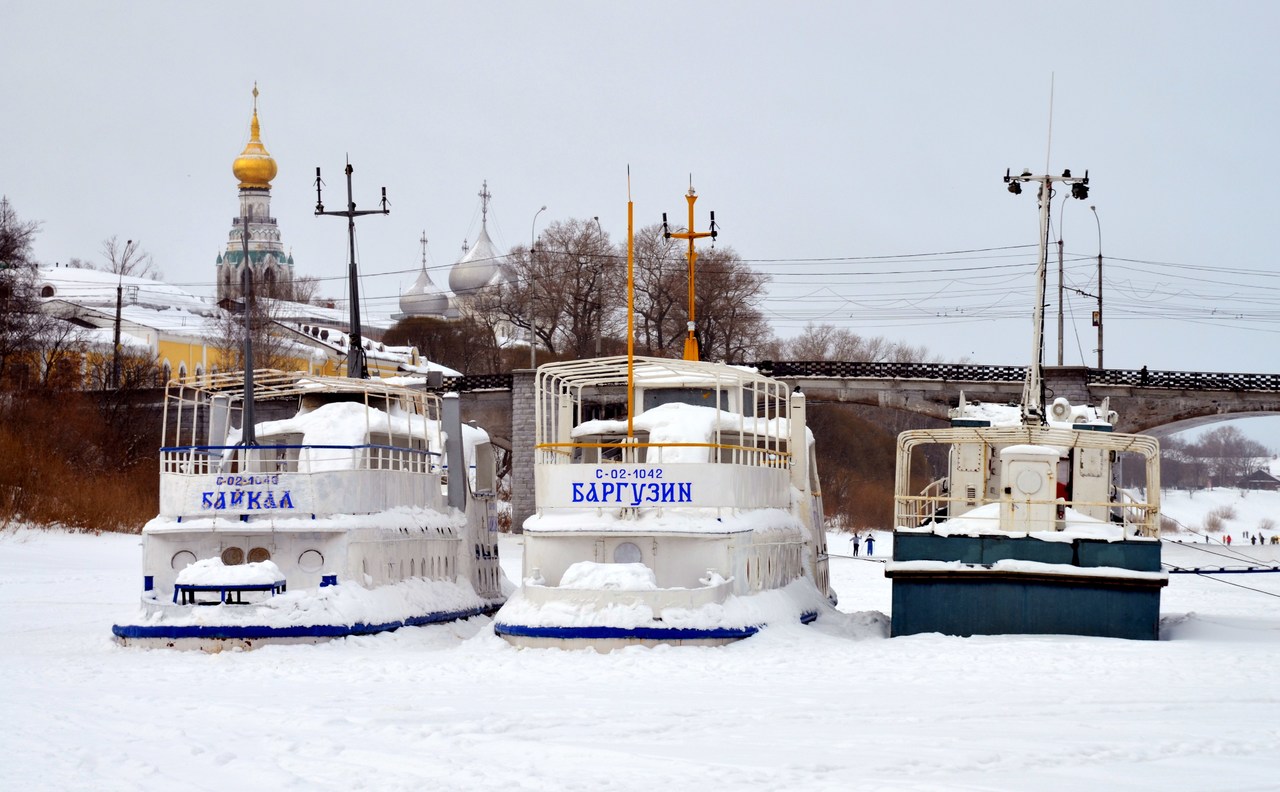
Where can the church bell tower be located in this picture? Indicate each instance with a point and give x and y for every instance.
(271, 268)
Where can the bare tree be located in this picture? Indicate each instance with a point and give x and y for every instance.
(565, 290)
(661, 291)
(828, 342)
(304, 289)
(128, 259)
(270, 349)
(59, 347)
(730, 327)
(465, 344)
(1228, 454)
(20, 318)
(19, 305)
(16, 237)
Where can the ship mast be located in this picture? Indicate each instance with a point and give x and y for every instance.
(357, 366)
(690, 341)
(1033, 387)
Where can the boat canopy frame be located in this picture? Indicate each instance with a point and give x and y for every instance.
(188, 398)
(911, 510)
(563, 390)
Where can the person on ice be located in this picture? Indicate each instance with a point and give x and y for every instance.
(871, 540)
(856, 540)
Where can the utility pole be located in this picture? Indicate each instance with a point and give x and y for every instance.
(115, 355)
(690, 341)
(1033, 388)
(1060, 278)
(357, 366)
(533, 337)
(1097, 319)
(248, 422)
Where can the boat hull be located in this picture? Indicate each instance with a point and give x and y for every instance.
(219, 637)
(605, 639)
(996, 585)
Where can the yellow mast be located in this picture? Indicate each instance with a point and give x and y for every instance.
(631, 336)
(690, 342)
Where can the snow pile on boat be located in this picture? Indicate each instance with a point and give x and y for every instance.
(212, 572)
(603, 577)
(1024, 567)
(612, 608)
(345, 605)
(985, 520)
(687, 423)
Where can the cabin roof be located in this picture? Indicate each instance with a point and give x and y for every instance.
(274, 384)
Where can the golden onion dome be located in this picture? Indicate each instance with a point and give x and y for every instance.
(254, 167)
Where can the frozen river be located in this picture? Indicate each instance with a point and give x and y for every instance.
(836, 705)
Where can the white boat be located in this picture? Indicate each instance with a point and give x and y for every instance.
(698, 520)
(362, 507)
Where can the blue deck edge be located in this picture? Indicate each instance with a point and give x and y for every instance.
(639, 633)
(261, 632)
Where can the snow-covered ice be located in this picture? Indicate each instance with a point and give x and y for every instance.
(832, 706)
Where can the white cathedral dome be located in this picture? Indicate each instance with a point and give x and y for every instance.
(424, 298)
(481, 266)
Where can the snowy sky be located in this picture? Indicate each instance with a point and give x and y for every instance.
(832, 141)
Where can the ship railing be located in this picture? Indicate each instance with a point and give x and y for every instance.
(931, 500)
(222, 460)
(1136, 517)
(625, 452)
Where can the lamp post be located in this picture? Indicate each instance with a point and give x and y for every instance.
(1097, 319)
(1033, 389)
(533, 338)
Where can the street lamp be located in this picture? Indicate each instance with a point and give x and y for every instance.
(1032, 392)
(533, 339)
(1097, 320)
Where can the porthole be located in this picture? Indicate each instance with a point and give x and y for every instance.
(310, 561)
(627, 553)
(233, 556)
(182, 559)
(257, 554)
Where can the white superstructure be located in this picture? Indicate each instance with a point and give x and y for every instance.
(369, 512)
(672, 526)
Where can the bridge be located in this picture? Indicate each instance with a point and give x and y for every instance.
(1159, 402)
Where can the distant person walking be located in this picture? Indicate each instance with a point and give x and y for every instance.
(1228, 540)
(871, 545)
(856, 541)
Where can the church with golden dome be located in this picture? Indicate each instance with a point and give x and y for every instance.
(272, 269)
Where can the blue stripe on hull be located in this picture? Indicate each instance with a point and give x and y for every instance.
(637, 633)
(258, 632)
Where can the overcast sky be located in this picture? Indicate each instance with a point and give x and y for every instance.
(851, 151)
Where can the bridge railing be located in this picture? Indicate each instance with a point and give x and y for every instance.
(950, 372)
(1184, 380)
(959, 372)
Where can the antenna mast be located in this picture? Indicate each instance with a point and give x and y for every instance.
(1033, 388)
(357, 365)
